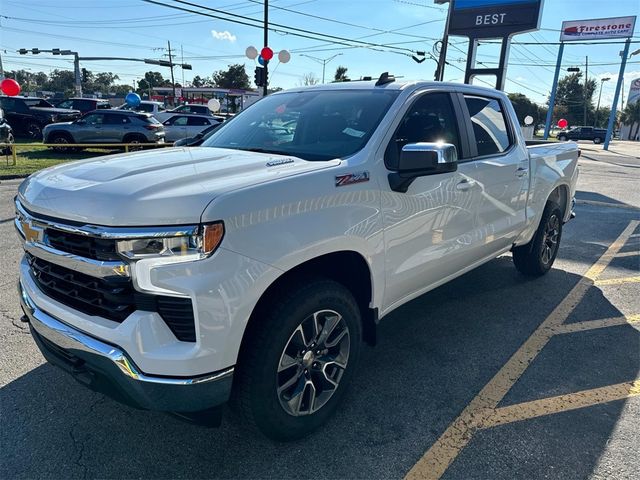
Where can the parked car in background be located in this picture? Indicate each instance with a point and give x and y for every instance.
(28, 115)
(84, 105)
(198, 139)
(596, 135)
(6, 135)
(106, 126)
(184, 126)
(145, 106)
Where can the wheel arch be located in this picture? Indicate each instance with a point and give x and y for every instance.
(58, 132)
(347, 267)
(560, 195)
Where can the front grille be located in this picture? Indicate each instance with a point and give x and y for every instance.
(113, 298)
(82, 245)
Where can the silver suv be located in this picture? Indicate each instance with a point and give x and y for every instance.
(105, 126)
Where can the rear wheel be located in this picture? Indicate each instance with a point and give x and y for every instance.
(62, 142)
(562, 138)
(597, 140)
(34, 131)
(536, 258)
(296, 363)
(134, 141)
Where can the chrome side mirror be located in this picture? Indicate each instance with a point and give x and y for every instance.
(422, 159)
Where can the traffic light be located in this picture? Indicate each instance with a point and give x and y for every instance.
(35, 51)
(260, 77)
(55, 51)
(85, 75)
(187, 66)
(23, 51)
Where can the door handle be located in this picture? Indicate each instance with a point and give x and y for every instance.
(522, 172)
(464, 185)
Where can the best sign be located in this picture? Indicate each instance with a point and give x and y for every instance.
(598, 29)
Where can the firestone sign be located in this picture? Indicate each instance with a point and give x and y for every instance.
(598, 29)
(494, 18)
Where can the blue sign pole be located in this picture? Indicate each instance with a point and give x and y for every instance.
(612, 117)
(552, 98)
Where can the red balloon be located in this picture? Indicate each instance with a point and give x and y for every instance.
(562, 123)
(266, 53)
(10, 87)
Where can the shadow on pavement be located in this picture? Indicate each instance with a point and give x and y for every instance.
(434, 355)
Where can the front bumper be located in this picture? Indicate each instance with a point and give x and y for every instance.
(107, 369)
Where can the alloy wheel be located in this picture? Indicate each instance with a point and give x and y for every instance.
(550, 240)
(313, 363)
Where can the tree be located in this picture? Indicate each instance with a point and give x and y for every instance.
(570, 99)
(199, 81)
(341, 74)
(61, 81)
(234, 77)
(631, 116)
(274, 90)
(524, 107)
(309, 79)
(154, 79)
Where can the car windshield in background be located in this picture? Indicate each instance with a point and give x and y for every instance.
(313, 125)
(37, 102)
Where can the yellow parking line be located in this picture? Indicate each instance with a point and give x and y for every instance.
(628, 254)
(562, 403)
(593, 324)
(442, 453)
(617, 281)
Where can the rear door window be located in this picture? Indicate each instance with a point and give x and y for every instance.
(489, 125)
(197, 121)
(114, 119)
(177, 121)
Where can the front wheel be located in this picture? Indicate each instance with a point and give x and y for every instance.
(597, 140)
(34, 131)
(536, 257)
(562, 138)
(298, 359)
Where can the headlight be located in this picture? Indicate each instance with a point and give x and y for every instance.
(179, 248)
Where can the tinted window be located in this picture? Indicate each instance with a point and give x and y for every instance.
(430, 119)
(103, 105)
(112, 119)
(489, 125)
(37, 102)
(66, 104)
(197, 121)
(328, 123)
(177, 121)
(94, 118)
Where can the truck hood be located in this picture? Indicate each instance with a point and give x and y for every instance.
(171, 186)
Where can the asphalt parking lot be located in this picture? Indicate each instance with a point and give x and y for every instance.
(491, 376)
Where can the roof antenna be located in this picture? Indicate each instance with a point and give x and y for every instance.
(385, 78)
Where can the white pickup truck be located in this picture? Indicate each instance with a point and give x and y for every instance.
(254, 267)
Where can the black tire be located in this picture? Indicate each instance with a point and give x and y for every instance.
(597, 140)
(63, 139)
(134, 138)
(536, 257)
(266, 349)
(33, 131)
(562, 138)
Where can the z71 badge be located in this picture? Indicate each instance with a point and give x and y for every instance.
(351, 178)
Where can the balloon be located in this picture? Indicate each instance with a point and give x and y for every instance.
(266, 53)
(132, 99)
(528, 120)
(261, 60)
(284, 56)
(251, 52)
(10, 87)
(562, 123)
(213, 105)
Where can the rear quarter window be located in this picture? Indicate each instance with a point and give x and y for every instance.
(489, 125)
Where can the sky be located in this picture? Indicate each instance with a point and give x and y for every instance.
(133, 28)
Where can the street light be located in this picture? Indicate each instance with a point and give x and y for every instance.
(602, 80)
(323, 61)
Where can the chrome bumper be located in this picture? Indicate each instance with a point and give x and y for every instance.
(108, 370)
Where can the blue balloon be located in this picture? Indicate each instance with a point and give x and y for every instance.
(261, 60)
(132, 99)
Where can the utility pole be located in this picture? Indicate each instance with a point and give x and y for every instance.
(266, 44)
(323, 61)
(602, 80)
(586, 75)
(173, 82)
(182, 60)
(442, 58)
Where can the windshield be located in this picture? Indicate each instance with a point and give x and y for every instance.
(313, 125)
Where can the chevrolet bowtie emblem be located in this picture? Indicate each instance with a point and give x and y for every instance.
(31, 234)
